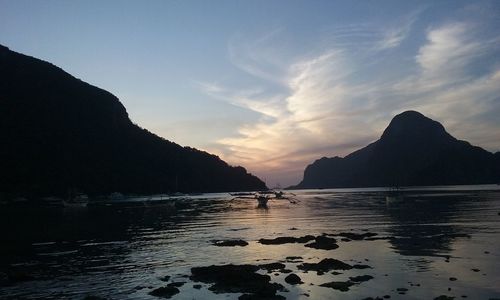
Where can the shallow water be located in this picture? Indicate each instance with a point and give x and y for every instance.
(120, 253)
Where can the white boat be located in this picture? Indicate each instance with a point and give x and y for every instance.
(394, 196)
(79, 201)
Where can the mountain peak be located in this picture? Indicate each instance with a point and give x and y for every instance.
(412, 124)
(413, 150)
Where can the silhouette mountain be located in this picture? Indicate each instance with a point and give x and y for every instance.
(60, 133)
(413, 150)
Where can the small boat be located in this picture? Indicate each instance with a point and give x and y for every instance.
(115, 196)
(264, 196)
(262, 199)
(267, 192)
(279, 195)
(79, 201)
(393, 196)
(242, 194)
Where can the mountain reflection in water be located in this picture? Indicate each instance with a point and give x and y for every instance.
(430, 236)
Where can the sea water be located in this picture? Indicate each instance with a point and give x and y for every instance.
(432, 241)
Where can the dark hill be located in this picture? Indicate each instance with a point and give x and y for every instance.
(413, 150)
(60, 133)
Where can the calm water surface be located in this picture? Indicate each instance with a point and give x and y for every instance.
(120, 253)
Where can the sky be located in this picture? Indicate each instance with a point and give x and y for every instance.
(274, 85)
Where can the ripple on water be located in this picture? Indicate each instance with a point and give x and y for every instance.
(420, 244)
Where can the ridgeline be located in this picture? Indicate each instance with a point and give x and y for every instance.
(60, 133)
(413, 151)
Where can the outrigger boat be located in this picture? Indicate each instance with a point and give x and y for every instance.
(262, 199)
(264, 196)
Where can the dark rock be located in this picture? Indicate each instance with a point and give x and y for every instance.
(287, 240)
(378, 238)
(272, 267)
(361, 278)
(260, 297)
(357, 236)
(211, 273)
(324, 243)
(176, 284)
(294, 258)
(475, 270)
(325, 265)
(357, 266)
(197, 286)
(165, 278)
(293, 279)
(453, 279)
(444, 297)
(345, 240)
(336, 273)
(236, 279)
(286, 271)
(342, 286)
(387, 296)
(230, 243)
(458, 235)
(164, 292)
(402, 289)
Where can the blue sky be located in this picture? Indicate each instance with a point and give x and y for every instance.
(274, 85)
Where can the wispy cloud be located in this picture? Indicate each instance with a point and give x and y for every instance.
(395, 35)
(257, 57)
(448, 47)
(335, 101)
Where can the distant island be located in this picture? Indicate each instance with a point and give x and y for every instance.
(413, 151)
(59, 133)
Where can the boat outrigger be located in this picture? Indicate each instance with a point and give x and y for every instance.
(264, 196)
(262, 199)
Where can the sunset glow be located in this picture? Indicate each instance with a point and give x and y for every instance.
(303, 84)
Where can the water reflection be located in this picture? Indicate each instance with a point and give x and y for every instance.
(423, 224)
(122, 252)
